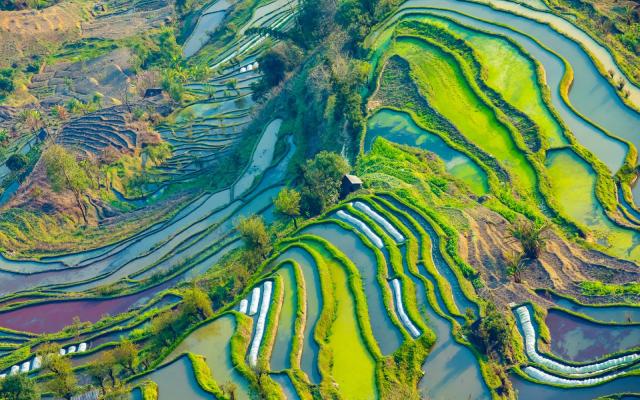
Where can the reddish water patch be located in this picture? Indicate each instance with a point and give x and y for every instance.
(54, 316)
(577, 339)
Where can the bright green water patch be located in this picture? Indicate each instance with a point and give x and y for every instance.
(386, 333)
(213, 341)
(280, 358)
(573, 183)
(510, 74)
(309, 358)
(440, 78)
(353, 367)
(400, 128)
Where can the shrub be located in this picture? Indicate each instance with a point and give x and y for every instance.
(16, 162)
(532, 238)
(254, 233)
(322, 177)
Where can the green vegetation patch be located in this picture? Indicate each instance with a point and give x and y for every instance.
(573, 183)
(442, 79)
(513, 76)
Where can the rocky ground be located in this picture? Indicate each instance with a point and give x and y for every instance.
(108, 75)
(28, 32)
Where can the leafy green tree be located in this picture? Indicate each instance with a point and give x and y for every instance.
(196, 302)
(18, 387)
(74, 105)
(288, 203)
(276, 62)
(158, 153)
(163, 328)
(315, 21)
(102, 370)
(6, 82)
(173, 87)
(16, 162)
(63, 381)
(220, 293)
(494, 332)
(126, 355)
(322, 178)
(255, 235)
(65, 173)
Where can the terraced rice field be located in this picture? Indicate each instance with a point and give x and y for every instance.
(480, 116)
(332, 328)
(452, 96)
(213, 342)
(402, 129)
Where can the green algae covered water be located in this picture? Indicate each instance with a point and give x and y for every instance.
(573, 183)
(441, 80)
(386, 333)
(346, 340)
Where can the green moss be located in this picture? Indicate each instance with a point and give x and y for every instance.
(149, 390)
(203, 375)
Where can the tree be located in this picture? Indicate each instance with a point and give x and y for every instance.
(531, 237)
(220, 293)
(18, 387)
(254, 232)
(196, 302)
(163, 329)
(32, 119)
(274, 65)
(516, 263)
(64, 173)
(158, 153)
(494, 332)
(16, 162)
(63, 381)
(6, 82)
(276, 62)
(288, 203)
(314, 21)
(102, 369)
(126, 355)
(322, 178)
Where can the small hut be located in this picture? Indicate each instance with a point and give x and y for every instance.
(152, 92)
(350, 184)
